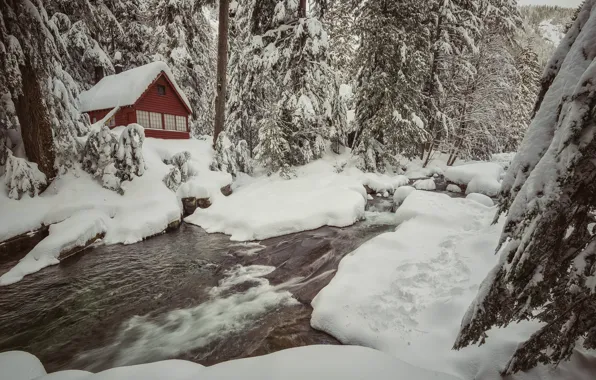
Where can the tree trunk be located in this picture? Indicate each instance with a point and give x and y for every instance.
(222, 68)
(302, 9)
(36, 129)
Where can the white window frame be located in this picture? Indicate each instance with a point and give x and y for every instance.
(170, 122)
(181, 124)
(143, 119)
(156, 118)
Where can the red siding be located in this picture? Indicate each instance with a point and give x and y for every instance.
(124, 116)
(169, 103)
(151, 101)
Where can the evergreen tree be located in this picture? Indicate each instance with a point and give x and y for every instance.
(393, 62)
(282, 82)
(453, 26)
(548, 254)
(39, 96)
(184, 39)
(129, 155)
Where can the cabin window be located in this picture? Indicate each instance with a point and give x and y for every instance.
(170, 121)
(112, 122)
(143, 119)
(155, 119)
(161, 89)
(181, 123)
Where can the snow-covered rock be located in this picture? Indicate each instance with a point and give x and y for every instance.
(303, 363)
(484, 185)
(272, 206)
(425, 184)
(463, 174)
(76, 231)
(481, 198)
(453, 188)
(402, 193)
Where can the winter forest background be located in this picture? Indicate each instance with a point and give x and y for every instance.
(385, 79)
(391, 82)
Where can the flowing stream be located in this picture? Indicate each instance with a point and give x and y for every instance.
(186, 294)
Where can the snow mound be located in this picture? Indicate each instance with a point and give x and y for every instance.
(193, 188)
(302, 363)
(19, 365)
(484, 185)
(462, 175)
(405, 292)
(425, 184)
(452, 188)
(275, 207)
(481, 198)
(71, 233)
(402, 193)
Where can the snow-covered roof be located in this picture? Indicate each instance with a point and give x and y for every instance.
(126, 88)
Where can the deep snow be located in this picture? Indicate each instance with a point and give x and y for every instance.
(303, 363)
(405, 292)
(146, 208)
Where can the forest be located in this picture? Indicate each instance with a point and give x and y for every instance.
(450, 140)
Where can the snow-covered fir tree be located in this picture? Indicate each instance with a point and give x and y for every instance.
(528, 71)
(184, 38)
(393, 57)
(39, 95)
(340, 20)
(282, 83)
(548, 253)
(100, 151)
(129, 155)
(453, 27)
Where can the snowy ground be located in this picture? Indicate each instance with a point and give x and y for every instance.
(329, 191)
(145, 209)
(304, 363)
(405, 292)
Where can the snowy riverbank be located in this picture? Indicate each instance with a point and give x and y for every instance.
(405, 292)
(330, 191)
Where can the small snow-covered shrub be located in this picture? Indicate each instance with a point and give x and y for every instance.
(484, 185)
(425, 184)
(180, 161)
(110, 179)
(480, 198)
(99, 151)
(129, 156)
(230, 158)
(22, 177)
(173, 179)
(452, 188)
(402, 193)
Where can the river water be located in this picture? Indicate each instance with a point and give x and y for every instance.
(186, 294)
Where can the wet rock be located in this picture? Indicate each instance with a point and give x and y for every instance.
(78, 249)
(173, 226)
(22, 244)
(189, 205)
(226, 190)
(204, 202)
(369, 190)
(440, 182)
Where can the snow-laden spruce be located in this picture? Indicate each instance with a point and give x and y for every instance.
(548, 256)
(284, 98)
(184, 38)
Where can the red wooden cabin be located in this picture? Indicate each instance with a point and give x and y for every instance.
(147, 95)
